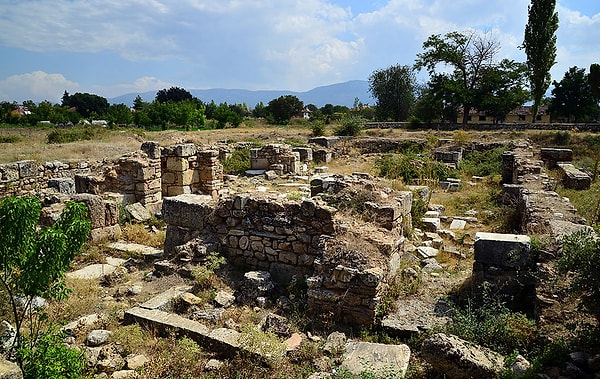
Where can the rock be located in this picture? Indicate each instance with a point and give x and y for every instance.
(335, 343)
(213, 365)
(431, 224)
(135, 361)
(432, 265)
(293, 342)
(134, 290)
(594, 363)
(320, 375)
(164, 268)
(224, 299)
(9, 370)
(376, 358)
(457, 224)
(458, 359)
(123, 374)
(580, 359)
(92, 355)
(97, 337)
(276, 324)
(254, 285)
(73, 327)
(7, 336)
(213, 315)
(270, 175)
(427, 252)
(110, 360)
(520, 366)
(138, 212)
(188, 299)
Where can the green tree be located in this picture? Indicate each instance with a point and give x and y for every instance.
(284, 108)
(469, 55)
(119, 114)
(87, 104)
(175, 94)
(394, 90)
(572, 97)
(503, 89)
(594, 81)
(33, 261)
(225, 115)
(260, 111)
(540, 47)
(139, 103)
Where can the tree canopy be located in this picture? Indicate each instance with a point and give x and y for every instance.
(572, 97)
(174, 94)
(468, 54)
(540, 47)
(394, 90)
(86, 104)
(284, 108)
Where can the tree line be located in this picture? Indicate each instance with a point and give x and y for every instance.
(465, 74)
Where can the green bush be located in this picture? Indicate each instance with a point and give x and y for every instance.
(318, 129)
(350, 126)
(410, 168)
(52, 359)
(488, 322)
(581, 258)
(10, 139)
(483, 163)
(238, 162)
(71, 135)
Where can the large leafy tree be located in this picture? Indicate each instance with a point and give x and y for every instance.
(284, 108)
(394, 90)
(572, 97)
(33, 261)
(87, 104)
(175, 94)
(503, 89)
(594, 80)
(540, 47)
(468, 54)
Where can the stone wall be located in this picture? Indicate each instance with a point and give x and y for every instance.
(277, 157)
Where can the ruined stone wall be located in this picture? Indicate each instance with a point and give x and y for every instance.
(29, 177)
(188, 169)
(277, 157)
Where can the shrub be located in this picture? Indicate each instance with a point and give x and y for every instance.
(350, 126)
(10, 139)
(318, 129)
(71, 135)
(410, 168)
(581, 257)
(51, 358)
(483, 163)
(238, 162)
(265, 344)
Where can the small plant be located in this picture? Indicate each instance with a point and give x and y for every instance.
(318, 129)
(10, 139)
(461, 137)
(71, 135)
(138, 233)
(130, 337)
(581, 257)
(204, 272)
(238, 163)
(51, 358)
(483, 163)
(265, 344)
(401, 285)
(350, 126)
(411, 168)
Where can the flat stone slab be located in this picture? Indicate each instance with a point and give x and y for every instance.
(414, 316)
(573, 178)
(146, 251)
(164, 300)
(503, 250)
(457, 224)
(97, 270)
(377, 358)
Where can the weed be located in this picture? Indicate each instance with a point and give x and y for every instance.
(10, 139)
(265, 344)
(461, 137)
(138, 233)
(401, 285)
(238, 162)
(483, 163)
(350, 126)
(173, 358)
(411, 168)
(318, 129)
(72, 135)
(131, 338)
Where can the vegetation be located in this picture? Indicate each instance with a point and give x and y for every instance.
(581, 257)
(411, 168)
(72, 135)
(26, 267)
(284, 108)
(394, 90)
(238, 163)
(572, 97)
(483, 163)
(540, 47)
(350, 126)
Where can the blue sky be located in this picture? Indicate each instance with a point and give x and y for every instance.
(113, 47)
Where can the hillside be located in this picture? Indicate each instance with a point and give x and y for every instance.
(336, 94)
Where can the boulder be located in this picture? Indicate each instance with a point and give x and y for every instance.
(97, 337)
(276, 324)
(9, 370)
(459, 359)
(376, 358)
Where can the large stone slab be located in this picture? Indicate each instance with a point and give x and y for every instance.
(187, 210)
(145, 251)
(97, 270)
(9, 370)
(376, 358)
(574, 178)
(459, 359)
(503, 250)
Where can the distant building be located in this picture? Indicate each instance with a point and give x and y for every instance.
(306, 113)
(21, 110)
(520, 115)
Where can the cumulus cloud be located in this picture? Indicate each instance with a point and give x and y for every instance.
(36, 86)
(294, 45)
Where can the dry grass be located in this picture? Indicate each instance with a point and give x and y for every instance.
(138, 233)
(85, 299)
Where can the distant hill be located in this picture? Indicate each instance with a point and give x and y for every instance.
(336, 94)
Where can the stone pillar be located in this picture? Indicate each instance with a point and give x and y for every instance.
(210, 172)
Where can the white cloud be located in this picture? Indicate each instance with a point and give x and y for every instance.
(140, 85)
(36, 86)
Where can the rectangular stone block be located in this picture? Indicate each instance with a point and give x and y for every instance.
(574, 178)
(503, 250)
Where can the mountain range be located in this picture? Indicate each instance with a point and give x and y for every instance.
(337, 94)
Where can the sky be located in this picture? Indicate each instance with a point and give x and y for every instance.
(115, 47)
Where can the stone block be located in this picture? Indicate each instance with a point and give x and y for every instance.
(177, 164)
(458, 224)
(379, 359)
(9, 172)
(152, 149)
(27, 168)
(63, 185)
(322, 156)
(189, 211)
(551, 156)
(574, 178)
(185, 150)
(503, 250)
(431, 224)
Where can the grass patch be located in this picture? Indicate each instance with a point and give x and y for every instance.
(586, 202)
(72, 135)
(137, 233)
(238, 163)
(412, 169)
(483, 163)
(10, 139)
